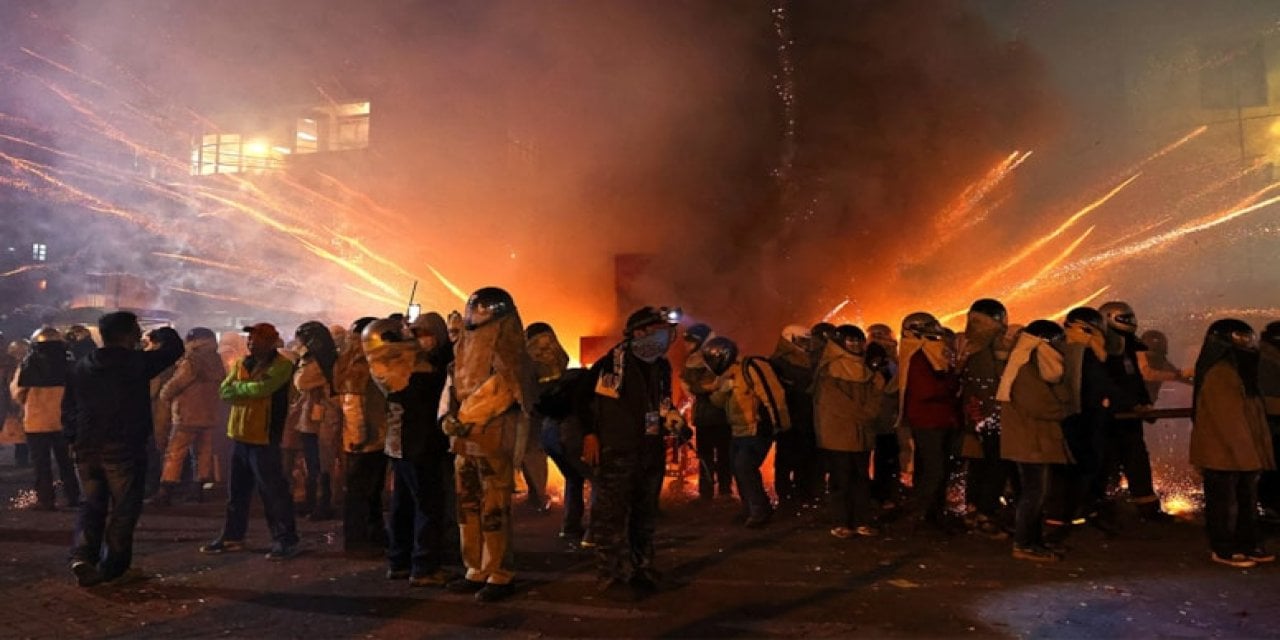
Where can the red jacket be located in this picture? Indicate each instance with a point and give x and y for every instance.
(933, 398)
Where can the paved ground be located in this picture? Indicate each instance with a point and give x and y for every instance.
(790, 579)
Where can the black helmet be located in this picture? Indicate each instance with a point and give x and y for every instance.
(719, 353)
(1046, 330)
(648, 316)
(382, 332)
(823, 332)
(697, 334)
(486, 305)
(1236, 333)
(1120, 317)
(922, 325)
(991, 308)
(315, 337)
(1272, 333)
(199, 333)
(1087, 316)
(537, 329)
(851, 338)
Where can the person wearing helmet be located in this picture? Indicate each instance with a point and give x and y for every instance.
(1155, 365)
(38, 389)
(1035, 399)
(484, 423)
(1126, 450)
(1230, 441)
(151, 341)
(847, 399)
(558, 392)
(982, 362)
(929, 411)
(1269, 386)
(412, 379)
(106, 418)
(257, 389)
(623, 425)
(756, 405)
(711, 426)
(191, 395)
(319, 418)
(886, 486)
(796, 470)
(364, 433)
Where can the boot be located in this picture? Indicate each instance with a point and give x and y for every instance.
(163, 497)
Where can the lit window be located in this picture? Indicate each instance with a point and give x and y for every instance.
(308, 136)
(350, 126)
(39, 252)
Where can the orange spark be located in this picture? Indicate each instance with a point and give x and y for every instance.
(1079, 303)
(462, 295)
(1051, 265)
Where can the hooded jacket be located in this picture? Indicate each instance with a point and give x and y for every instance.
(1229, 430)
(107, 405)
(847, 400)
(364, 409)
(979, 377)
(752, 397)
(316, 410)
(792, 365)
(1038, 401)
(192, 391)
(259, 396)
(39, 385)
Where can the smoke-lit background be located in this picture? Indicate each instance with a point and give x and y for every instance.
(777, 161)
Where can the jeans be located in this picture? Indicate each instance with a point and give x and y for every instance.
(936, 451)
(1027, 531)
(850, 487)
(45, 449)
(1231, 511)
(416, 528)
(318, 476)
(715, 460)
(575, 474)
(259, 466)
(113, 487)
(748, 454)
(362, 524)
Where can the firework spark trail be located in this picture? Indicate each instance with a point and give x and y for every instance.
(1172, 146)
(214, 264)
(1048, 268)
(957, 216)
(350, 266)
(373, 295)
(1164, 240)
(1038, 243)
(1273, 312)
(1139, 232)
(224, 297)
(1062, 313)
(459, 293)
(836, 309)
(22, 269)
(89, 201)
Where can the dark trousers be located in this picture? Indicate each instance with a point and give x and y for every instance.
(113, 487)
(987, 477)
(1269, 482)
(748, 454)
(575, 474)
(1126, 453)
(259, 466)
(850, 487)
(21, 454)
(796, 464)
(1069, 494)
(715, 460)
(1034, 480)
(935, 455)
(319, 487)
(624, 509)
(362, 525)
(1231, 511)
(45, 449)
(885, 484)
(416, 528)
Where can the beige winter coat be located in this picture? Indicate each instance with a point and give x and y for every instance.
(1031, 422)
(192, 392)
(1229, 431)
(41, 407)
(848, 398)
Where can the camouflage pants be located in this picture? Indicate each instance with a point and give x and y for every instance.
(484, 487)
(624, 509)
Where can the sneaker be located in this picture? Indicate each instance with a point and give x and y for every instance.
(495, 592)
(1260, 555)
(437, 578)
(397, 574)
(1237, 560)
(844, 533)
(222, 546)
(865, 531)
(1035, 554)
(86, 573)
(463, 585)
(280, 552)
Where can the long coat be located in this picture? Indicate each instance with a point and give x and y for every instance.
(1229, 432)
(1031, 422)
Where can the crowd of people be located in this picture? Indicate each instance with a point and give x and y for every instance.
(1041, 421)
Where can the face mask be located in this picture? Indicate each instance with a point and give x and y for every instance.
(651, 347)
